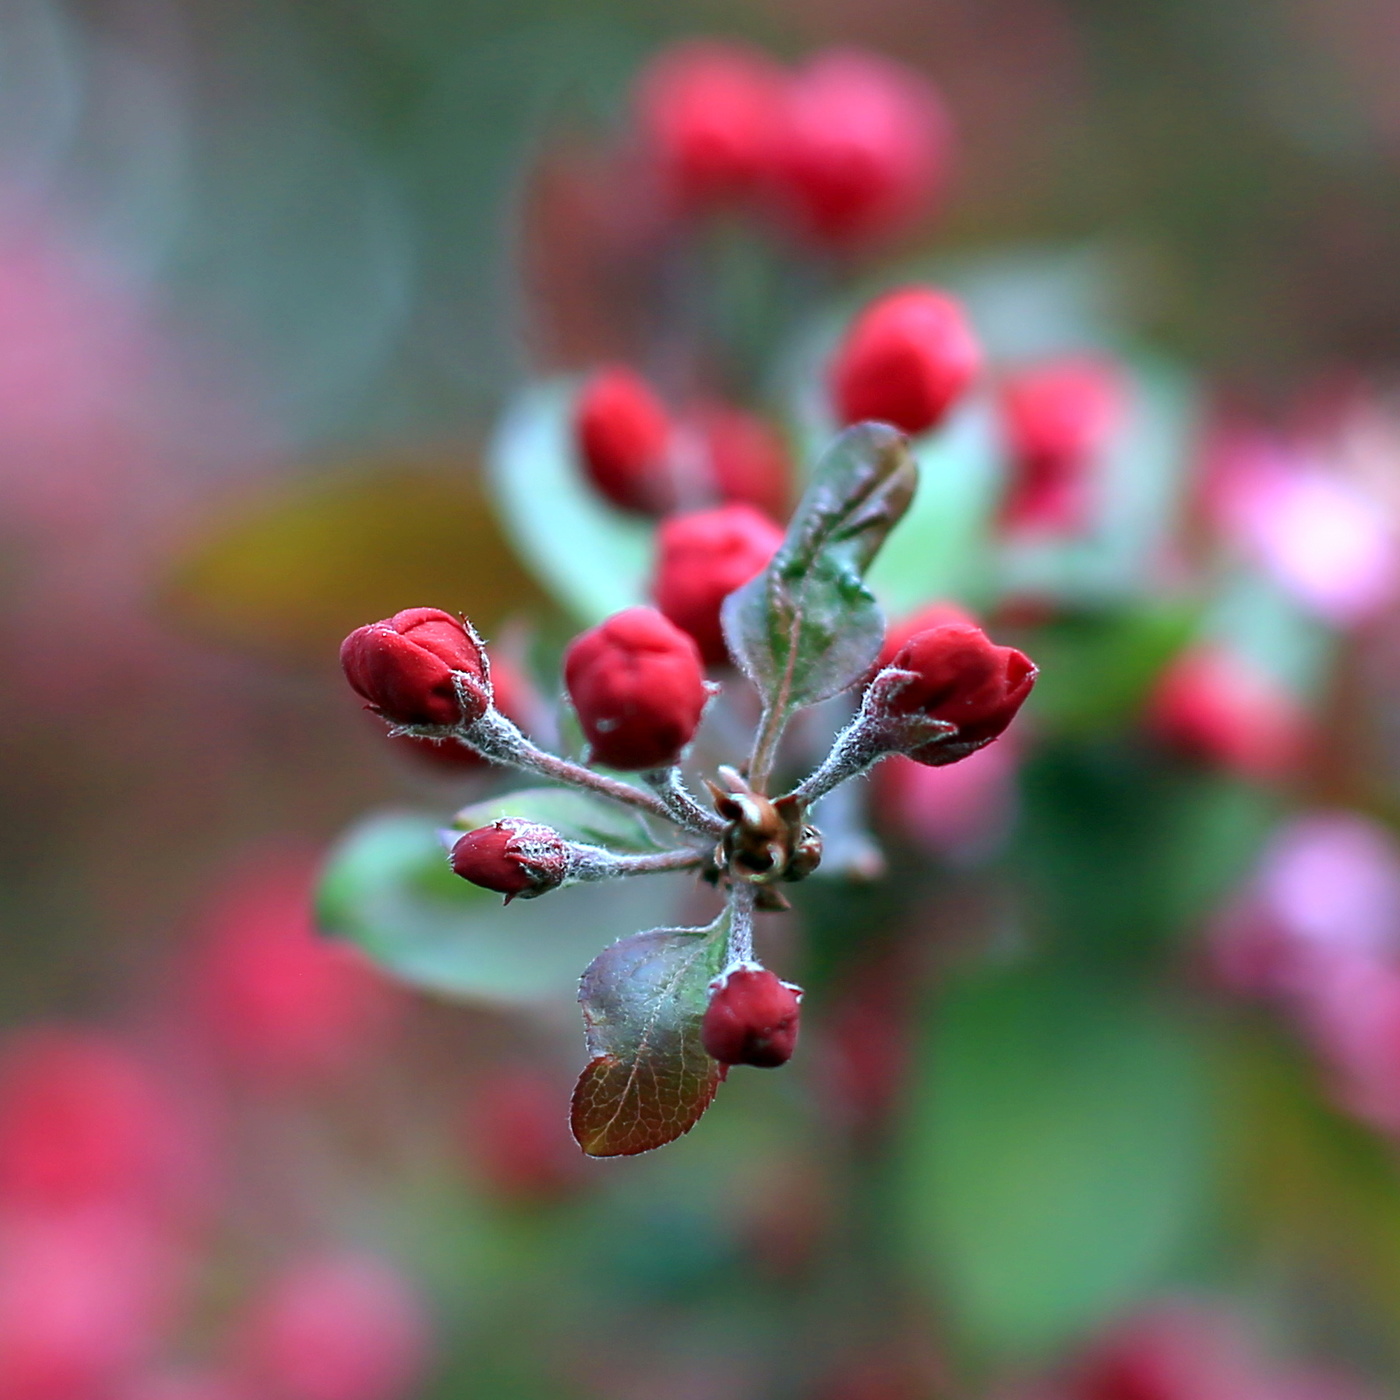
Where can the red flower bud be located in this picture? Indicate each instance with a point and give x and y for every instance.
(954, 673)
(1057, 419)
(708, 112)
(701, 559)
(749, 460)
(929, 616)
(511, 695)
(421, 666)
(752, 1018)
(624, 439)
(863, 150)
(1212, 705)
(638, 685)
(905, 361)
(514, 857)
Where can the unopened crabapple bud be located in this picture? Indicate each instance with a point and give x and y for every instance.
(748, 458)
(702, 558)
(512, 696)
(1213, 705)
(421, 666)
(624, 440)
(929, 616)
(638, 685)
(955, 674)
(752, 1018)
(709, 111)
(517, 858)
(863, 150)
(1057, 418)
(909, 356)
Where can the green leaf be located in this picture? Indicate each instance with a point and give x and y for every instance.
(388, 888)
(577, 816)
(1124, 852)
(649, 1078)
(1060, 1159)
(807, 627)
(592, 558)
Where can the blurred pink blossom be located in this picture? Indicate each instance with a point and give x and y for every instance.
(276, 997)
(85, 1296)
(1325, 540)
(960, 811)
(337, 1327)
(1326, 892)
(1172, 1351)
(186, 1385)
(84, 1121)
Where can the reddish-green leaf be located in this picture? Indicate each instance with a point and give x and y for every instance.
(649, 1078)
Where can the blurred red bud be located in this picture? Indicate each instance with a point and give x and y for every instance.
(863, 149)
(931, 615)
(907, 358)
(81, 1121)
(748, 458)
(276, 997)
(1170, 1352)
(510, 692)
(1057, 418)
(1213, 706)
(624, 441)
(708, 111)
(517, 1141)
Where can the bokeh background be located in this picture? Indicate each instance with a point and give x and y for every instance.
(269, 274)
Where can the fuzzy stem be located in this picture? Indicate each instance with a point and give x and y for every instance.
(591, 863)
(857, 748)
(685, 811)
(771, 725)
(495, 737)
(741, 902)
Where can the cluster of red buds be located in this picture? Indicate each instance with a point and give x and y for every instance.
(846, 151)
(791, 611)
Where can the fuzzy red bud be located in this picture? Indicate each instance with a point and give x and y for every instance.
(955, 674)
(906, 360)
(512, 696)
(421, 666)
(748, 459)
(624, 441)
(752, 1018)
(638, 685)
(516, 858)
(931, 615)
(701, 559)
